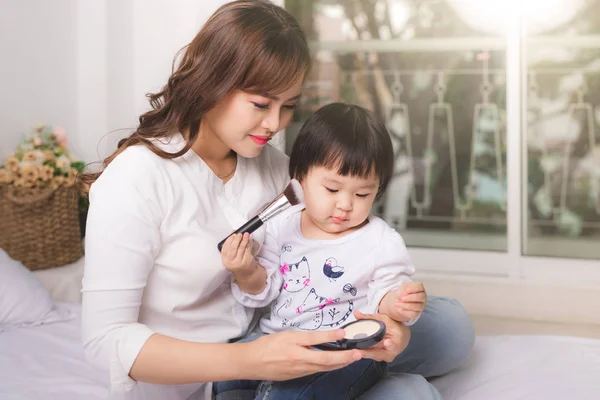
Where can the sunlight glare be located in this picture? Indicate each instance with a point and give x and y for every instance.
(494, 16)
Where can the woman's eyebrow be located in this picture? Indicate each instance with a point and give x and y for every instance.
(294, 98)
(275, 97)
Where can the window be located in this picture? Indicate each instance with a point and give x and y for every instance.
(440, 86)
(436, 72)
(563, 139)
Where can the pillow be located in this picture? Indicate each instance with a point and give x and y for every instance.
(23, 299)
(64, 282)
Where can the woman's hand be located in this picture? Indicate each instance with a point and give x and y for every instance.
(395, 341)
(288, 355)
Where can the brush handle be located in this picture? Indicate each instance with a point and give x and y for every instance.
(249, 227)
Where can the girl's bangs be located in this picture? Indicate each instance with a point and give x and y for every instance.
(352, 162)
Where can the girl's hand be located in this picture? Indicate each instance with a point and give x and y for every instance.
(236, 253)
(395, 341)
(288, 355)
(411, 300)
(406, 303)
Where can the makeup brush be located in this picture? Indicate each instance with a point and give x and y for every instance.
(291, 196)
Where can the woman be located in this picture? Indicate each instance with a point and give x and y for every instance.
(158, 311)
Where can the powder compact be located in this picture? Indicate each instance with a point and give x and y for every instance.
(360, 334)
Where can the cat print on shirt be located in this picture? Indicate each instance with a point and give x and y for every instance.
(296, 277)
(324, 312)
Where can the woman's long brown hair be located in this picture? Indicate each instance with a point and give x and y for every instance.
(251, 45)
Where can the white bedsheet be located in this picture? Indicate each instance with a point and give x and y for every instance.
(526, 367)
(47, 362)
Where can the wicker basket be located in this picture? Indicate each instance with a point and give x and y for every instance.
(40, 228)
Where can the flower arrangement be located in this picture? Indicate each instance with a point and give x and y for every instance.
(42, 160)
(40, 201)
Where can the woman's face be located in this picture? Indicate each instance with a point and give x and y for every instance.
(245, 122)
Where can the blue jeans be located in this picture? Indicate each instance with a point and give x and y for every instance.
(343, 384)
(440, 341)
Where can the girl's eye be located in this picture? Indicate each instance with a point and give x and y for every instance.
(331, 190)
(261, 106)
(290, 106)
(362, 195)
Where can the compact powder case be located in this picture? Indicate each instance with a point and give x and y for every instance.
(360, 334)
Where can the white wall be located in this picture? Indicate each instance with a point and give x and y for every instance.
(91, 80)
(38, 67)
(87, 65)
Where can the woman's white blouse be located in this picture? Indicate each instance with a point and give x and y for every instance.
(152, 263)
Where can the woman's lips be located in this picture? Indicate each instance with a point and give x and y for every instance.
(261, 140)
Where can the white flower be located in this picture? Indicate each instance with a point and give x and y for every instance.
(63, 163)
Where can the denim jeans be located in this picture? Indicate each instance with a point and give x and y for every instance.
(342, 384)
(440, 341)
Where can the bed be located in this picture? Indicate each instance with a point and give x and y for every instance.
(47, 362)
(42, 357)
(526, 367)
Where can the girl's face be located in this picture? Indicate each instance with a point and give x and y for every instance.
(335, 204)
(245, 122)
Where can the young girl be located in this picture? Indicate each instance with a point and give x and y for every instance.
(326, 258)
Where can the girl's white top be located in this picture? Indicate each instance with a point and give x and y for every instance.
(152, 263)
(317, 284)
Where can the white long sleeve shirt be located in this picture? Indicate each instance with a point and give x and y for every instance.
(152, 263)
(317, 284)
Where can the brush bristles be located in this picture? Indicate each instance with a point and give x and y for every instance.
(293, 193)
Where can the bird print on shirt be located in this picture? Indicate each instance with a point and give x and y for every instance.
(332, 270)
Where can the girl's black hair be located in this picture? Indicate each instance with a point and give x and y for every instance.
(347, 137)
